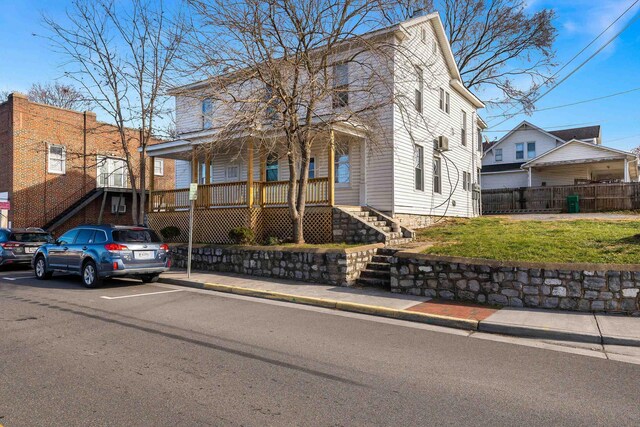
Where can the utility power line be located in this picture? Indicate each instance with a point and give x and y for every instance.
(608, 42)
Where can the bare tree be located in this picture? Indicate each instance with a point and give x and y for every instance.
(4, 95)
(120, 55)
(271, 73)
(498, 45)
(57, 94)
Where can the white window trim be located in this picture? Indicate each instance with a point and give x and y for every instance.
(64, 159)
(345, 184)
(535, 149)
(160, 162)
(125, 175)
(416, 190)
(523, 144)
(495, 154)
(226, 172)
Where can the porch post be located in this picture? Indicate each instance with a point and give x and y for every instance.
(529, 177)
(207, 162)
(194, 165)
(626, 170)
(152, 175)
(263, 175)
(250, 174)
(331, 164)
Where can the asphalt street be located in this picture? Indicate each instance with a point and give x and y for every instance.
(156, 355)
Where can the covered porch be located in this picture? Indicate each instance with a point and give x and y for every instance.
(246, 184)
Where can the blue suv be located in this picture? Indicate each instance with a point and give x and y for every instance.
(96, 252)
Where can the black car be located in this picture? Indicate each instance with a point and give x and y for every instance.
(17, 245)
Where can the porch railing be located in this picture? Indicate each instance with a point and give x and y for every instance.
(234, 194)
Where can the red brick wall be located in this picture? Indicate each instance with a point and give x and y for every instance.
(6, 149)
(35, 190)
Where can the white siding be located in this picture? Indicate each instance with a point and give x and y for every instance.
(578, 151)
(409, 128)
(560, 176)
(505, 180)
(183, 173)
(543, 142)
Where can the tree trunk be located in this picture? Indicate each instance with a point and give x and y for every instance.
(143, 185)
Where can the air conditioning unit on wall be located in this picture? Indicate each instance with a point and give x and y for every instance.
(442, 143)
(118, 205)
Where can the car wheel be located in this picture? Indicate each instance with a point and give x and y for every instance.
(40, 269)
(90, 277)
(150, 278)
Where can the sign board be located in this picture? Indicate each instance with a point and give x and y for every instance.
(193, 191)
(5, 205)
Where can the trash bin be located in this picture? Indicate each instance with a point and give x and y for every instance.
(573, 202)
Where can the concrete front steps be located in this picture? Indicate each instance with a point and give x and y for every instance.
(392, 231)
(377, 273)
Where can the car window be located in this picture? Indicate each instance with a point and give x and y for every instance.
(100, 237)
(68, 237)
(3, 235)
(30, 237)
(85, 237)
(142, 235)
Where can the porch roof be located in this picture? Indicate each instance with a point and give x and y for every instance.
(578, 152)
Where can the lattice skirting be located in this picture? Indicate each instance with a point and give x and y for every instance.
(213, 225)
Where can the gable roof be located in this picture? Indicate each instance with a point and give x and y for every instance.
(576, 141)
(588, 132)
(401, 28)
(515, 129)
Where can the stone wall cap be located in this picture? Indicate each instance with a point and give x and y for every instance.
(521, 264)
(347, 250)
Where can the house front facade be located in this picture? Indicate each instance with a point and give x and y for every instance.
(529, 156)
(424, 162)
(61, 168)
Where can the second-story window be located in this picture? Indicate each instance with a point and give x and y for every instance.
(445, 100)
(341, 85)
(158, 167)
(479, 131)
(57, 161)
(519, 151)
(531, 150)
(463, 133)
(419, 89)
(207, 110)
(498, 154)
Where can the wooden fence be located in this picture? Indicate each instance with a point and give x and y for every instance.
(592, 198)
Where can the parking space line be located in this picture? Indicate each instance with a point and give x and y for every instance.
(16, 278)
(142, 295)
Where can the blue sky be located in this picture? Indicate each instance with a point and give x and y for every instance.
(25, 58)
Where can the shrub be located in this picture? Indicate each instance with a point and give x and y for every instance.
(170, 232)
(273, 241)
(241, 235)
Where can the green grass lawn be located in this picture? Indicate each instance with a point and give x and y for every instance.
(593, 241)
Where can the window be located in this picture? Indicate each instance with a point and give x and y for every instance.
(270, 110)
(463, 133)
(423, 35)
(272, 167)
(531, 150)
(85, 237)
(519, 151)
(312, 168)
(57, 159)
(418, 166)
(118, 205)
(202, 173)
(434, 47)
(419, 88)
(498, 154)
(479, 131)
(341, 85)
(158, 167)
(233, 173)
(141, 235)
(112, 172)
(68, 237)
(207, 109)
(437, 175)
(101, 237)
(464, 180)
(342, 164)
(444, 100)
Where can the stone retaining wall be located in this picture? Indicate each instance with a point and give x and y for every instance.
(347, 228)
(579, 287)
(339, 267)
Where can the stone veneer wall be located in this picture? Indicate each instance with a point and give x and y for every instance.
(415, 221)
(579, 287)
(348, 228)
(339, 267)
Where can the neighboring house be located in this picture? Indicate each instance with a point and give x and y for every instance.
(529, 156)
(61, 167)
(406, 177)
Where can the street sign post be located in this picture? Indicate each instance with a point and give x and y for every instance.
(193, 196)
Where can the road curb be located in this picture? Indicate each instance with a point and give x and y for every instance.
(540, 333)
(432, 319)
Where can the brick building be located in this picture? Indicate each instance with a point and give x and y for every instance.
(60, 168)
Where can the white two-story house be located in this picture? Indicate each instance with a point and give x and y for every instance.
(529, 156)
(424, 164)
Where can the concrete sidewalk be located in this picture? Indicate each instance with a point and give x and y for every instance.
(523, 322)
